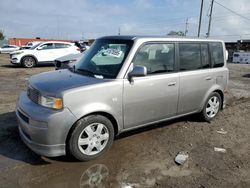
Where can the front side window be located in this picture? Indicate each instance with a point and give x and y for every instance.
(105, 58)
(190, 56)
(217, 56)
(47, 46)
(157, 58)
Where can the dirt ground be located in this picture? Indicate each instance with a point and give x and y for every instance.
(142, 158)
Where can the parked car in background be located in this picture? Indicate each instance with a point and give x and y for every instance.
(83, 47)
(9, 48)
(67, 61)
(29, 45)
(41, 53)
(241, 57)
(121, 83)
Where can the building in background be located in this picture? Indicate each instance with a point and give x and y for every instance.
(237, 46)
(24, 41)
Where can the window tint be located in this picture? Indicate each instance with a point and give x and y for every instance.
(61, 45)
(217, 57)
(47, 46)
(204, 56)
(190, 56)
(156, 58)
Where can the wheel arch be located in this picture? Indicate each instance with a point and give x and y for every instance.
(105, 114)
(29, 55)
(218, 89)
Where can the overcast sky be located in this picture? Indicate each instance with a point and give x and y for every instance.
(74, 19)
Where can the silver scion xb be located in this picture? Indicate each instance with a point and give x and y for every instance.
(121, 83)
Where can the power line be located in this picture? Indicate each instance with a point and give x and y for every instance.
(230, 10)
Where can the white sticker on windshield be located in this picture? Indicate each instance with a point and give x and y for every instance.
(113, 52)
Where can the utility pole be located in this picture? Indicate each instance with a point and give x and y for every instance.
(186, 29)
(201, 9)
(119, 31)
(210, 18)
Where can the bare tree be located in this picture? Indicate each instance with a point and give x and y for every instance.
(176, 33)
(2, 37)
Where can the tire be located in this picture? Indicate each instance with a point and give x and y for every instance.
(211, 107)
(28, 62)
(91, 137)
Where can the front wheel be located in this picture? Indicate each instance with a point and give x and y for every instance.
(28, 62)
(91, 137)
(211, 107)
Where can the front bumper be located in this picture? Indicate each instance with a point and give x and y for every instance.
(15, 59)
(43, 130)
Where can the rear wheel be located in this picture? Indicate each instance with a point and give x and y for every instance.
(28, 62)
(211, 107)
(91, 137)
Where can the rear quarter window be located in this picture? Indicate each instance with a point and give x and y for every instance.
(217, 56)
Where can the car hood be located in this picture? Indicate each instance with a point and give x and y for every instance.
(19, 51)
(53, 83)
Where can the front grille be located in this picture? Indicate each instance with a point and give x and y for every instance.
(33, 94)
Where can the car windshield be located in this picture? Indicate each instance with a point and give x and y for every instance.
(104, 59)
(33, 47)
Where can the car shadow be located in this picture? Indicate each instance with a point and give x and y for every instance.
(246, 76)
(11, 145)
(189, 118)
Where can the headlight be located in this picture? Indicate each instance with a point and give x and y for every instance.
(17, 53)
(51, 102)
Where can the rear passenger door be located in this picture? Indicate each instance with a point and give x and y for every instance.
(62, 49)
(196, 77)
(152, 97)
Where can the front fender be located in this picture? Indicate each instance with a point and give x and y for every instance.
(100, 108)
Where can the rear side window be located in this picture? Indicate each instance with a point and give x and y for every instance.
(190, 56)
(217, 56)
(157, 58)
(61, 45)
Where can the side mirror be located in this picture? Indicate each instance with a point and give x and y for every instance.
(39, 48)
(138, 71)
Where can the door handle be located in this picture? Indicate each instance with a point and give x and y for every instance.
(171, 83)
(209, 78)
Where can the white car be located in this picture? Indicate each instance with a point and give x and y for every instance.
(45, 52)
(8, 49)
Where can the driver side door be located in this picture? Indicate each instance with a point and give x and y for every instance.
(153, 97)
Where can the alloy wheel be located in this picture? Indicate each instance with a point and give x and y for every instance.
(93, 139)
(213, 106)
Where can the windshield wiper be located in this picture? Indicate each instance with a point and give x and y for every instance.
(90, 72)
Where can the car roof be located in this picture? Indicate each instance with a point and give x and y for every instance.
(157, 38)
(56, 42)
